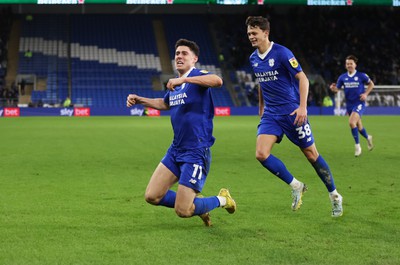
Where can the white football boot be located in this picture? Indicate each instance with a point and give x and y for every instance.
(337, 205)
(297, 195)
(357, 150)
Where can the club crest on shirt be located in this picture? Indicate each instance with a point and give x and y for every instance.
(356, 78)
(271, 62)
(204, 71)
(293, 62)
(255, 64)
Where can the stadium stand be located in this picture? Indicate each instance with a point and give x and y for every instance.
(45, 37)
(105, 65)
(321, 43)
(6, 95)
(198, 31)
(109, 64)
(100, 67)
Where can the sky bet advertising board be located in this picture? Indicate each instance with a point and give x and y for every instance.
(11, 112)
(78, 112)
(212, 2)
(86, 112)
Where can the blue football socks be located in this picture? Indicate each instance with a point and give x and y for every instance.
(204, 205)
(364, 133)
(354, 132)
(169, 199)
(323, 171)
(276, 167)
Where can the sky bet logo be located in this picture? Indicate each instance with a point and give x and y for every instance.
(66, 112)
(222, 111)
(83, 112)
(10, 112)
(339, 112)
(137, 112)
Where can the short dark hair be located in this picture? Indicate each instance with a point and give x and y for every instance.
(258, 21)
(352, 57)
(191, 44)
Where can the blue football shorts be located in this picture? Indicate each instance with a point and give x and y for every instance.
(281, 125)
(191, 167)
(358, 108)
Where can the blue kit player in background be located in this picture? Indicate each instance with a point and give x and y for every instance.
(283, 109)
(188, 159)
(353, 82)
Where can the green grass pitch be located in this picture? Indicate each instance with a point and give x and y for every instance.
(71, 192)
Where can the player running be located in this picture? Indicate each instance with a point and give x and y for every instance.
(353, 82)
(284, 90)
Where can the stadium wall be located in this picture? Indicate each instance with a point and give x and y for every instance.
(140, 111)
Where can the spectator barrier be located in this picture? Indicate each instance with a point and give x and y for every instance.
(140, 111)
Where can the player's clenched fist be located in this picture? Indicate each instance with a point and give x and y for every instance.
(173, 82)
(131, 100)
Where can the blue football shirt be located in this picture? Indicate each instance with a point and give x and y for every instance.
(275, 71)
(192, 113)
(353, 85)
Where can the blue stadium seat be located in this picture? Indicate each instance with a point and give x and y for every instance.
(105, 65)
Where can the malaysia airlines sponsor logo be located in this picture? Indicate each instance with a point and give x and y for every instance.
(267, 76)
(222, 111)
(351, 84)
(177, 99)
(66, 112)
(82, 112)
(11, 112)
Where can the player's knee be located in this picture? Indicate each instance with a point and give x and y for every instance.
(311, 153)
(150, 198)
(352, 124)
(261, 155)
(183, 213)
(311, 158)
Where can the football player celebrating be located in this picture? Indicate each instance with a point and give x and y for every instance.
(188, 159)
(283, 109)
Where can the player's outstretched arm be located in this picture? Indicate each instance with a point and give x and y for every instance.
(210, 80)
(155, 103)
